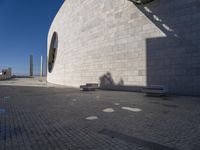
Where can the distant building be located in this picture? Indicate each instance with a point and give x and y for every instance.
(136, 45)
(6, 74)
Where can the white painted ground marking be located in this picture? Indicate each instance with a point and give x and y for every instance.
(91, 118)
(132, 109)
(108, 110)
(74, 99)
(117, 104)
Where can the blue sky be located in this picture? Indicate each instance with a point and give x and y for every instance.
(24, 26)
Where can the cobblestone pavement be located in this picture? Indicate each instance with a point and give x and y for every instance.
(62, 118)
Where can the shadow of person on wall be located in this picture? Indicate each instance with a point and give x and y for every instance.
(107, 83)
(106, 80)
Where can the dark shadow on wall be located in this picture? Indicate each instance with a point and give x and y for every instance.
(107, 83)
(174, 60)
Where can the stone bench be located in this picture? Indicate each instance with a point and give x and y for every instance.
(155, 90)
(89, 87)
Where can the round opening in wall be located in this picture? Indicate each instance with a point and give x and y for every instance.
(52, 51)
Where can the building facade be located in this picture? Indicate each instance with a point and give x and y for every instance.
(130, 45)
(6, 74)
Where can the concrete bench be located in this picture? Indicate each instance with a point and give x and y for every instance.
(155, 90)
(89, 87)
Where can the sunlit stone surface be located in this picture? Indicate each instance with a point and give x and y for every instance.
(117, 104)
(132, 109)
(109, 110)
(74, 99)
(92, 118)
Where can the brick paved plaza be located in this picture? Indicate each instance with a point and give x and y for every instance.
(47, 117)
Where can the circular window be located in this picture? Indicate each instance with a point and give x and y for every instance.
(52, 51)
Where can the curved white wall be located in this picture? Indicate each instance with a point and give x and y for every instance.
(116, 36)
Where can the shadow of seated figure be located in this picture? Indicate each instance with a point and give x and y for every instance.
(107, 83)
(106, 80)
(121, 82)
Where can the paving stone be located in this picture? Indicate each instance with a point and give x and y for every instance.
(47, 118)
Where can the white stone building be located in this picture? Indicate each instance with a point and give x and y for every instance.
(134, 45)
